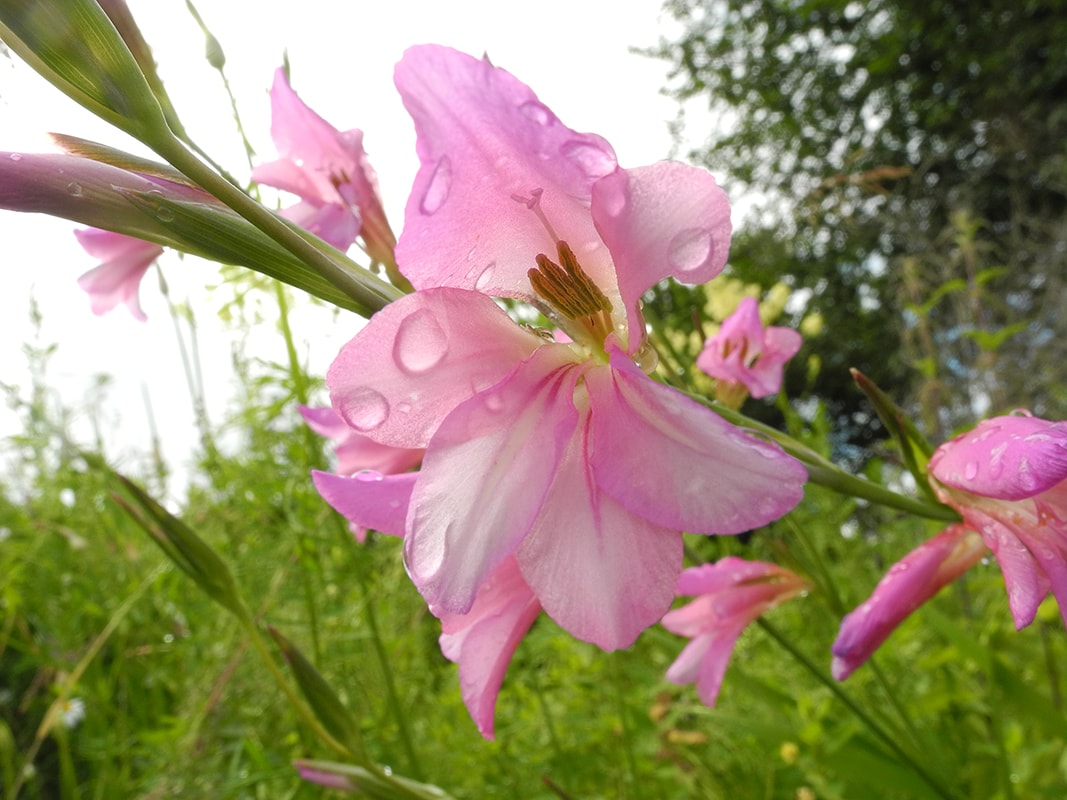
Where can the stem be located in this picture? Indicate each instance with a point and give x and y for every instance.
(627, 737)
(862, 715)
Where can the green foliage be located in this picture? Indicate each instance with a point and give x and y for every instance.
(176, 703)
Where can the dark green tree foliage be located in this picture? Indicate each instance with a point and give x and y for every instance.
(912, 160)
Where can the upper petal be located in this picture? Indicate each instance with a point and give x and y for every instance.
(602, 573)
(664, 220)
(674, 462)
(484, 137)
(1009, 458)
(484, 478)
(420, 357)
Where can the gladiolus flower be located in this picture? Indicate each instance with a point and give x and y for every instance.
(124, 260)
(1008, 480)
(329, 171)
(730, 594)
(745, 354)
(563, 456)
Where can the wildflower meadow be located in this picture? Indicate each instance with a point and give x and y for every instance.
(607, 490)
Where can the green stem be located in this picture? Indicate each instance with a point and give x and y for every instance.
(862, 715)
(367, 290)
(826, 473)
(392, 697)
(627, 734)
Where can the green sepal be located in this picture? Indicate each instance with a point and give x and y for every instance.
(914, 447)
(191, 554)
(323, 700)
(74, 46)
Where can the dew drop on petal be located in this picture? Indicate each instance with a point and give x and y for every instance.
(420, 343)
(536, 112)
(970, 472)
(74, 189)
(594, 161)
(438, 188)
(690, 250)
(646, 358)
(15, 156)
(486, 276)
(366, 409)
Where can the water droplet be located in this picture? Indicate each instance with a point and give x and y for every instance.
(646, 358)
(164, 214)
(438, 188)
(690, 250)
(420, 342)
(74, 189)
(493, 401)
(970, 472)
(366, 409)
(593, 160)
(15, 156)
(403, 408)
(485, 277)
(535, 111)
(368, 476)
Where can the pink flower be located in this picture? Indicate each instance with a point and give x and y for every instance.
(1008, 480)
(124, 261)
(372, 487)
(483, 640)
(563, 456)
(730, 594)
(329, 171)
(744, 353)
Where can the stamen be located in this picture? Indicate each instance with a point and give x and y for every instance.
(567, 288)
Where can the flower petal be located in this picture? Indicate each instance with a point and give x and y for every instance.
(420, 357)
(1008, 458)
(369, 499)
(485, 476)
(703, 475)
(909, 583)
(713, 651)
(602, 573)
(659, 221)
(483, 640)
(485, 143)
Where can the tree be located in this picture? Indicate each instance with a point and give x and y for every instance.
(912, 160)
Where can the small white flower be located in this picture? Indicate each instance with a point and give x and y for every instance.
(72, 711)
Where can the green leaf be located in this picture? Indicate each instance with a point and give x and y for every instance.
(990, 341)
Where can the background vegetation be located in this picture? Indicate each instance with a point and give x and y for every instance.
(911, 161)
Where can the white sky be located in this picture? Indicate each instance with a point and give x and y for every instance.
(573, 53)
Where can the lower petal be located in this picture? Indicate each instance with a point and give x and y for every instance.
(602, 573)
(485, 476)
(674, 462)
(368, 499)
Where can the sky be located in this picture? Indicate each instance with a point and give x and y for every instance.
(575, 54)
